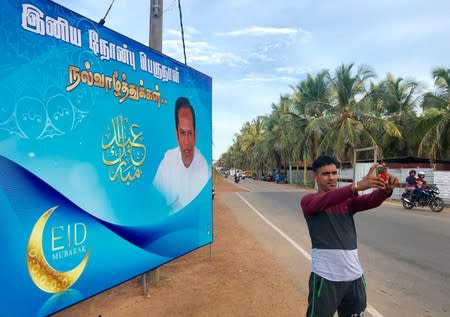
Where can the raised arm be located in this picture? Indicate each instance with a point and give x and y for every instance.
(317, 202)
(383, 190)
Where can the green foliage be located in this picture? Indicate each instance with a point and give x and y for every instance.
(336, 113)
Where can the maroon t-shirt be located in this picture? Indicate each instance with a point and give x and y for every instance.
(329, 216)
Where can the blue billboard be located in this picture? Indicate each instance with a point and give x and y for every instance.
(105, 158)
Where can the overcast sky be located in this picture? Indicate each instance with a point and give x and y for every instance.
(256, 50)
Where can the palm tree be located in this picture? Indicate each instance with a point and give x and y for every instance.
(398, 102)
(244, 153)
(311, 99)
(252, 134)
(398, 96)
(237, 155)
(248, 139)
(346, 126)
(435, 122)
(337, 113)
(280, 130)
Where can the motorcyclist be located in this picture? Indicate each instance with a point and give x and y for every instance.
(410, 183)
(237, 176)
(421, 184)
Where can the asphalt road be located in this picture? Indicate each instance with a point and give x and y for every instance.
(405, 253)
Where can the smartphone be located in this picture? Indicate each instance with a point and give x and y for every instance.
(381, 172)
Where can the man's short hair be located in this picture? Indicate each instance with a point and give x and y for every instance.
(324, 160)
(183, 102)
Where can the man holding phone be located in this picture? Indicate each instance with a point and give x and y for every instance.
(336, 282)
(381, 172)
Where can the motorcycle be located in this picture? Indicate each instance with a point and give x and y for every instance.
(236, 178)
(429, 198)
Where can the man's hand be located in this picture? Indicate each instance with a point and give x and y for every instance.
(391, 183)
(373, 181)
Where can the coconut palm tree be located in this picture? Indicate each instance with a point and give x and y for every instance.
(398, 96)
(254, 135)
(310, 100)
(248, 138)
(280, 131)
(398, 104)
(435, 122)
(346, 125)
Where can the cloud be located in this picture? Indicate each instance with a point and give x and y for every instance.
(263, 31)
(174, 33)
(285, 36)
(188, 32)
(262, 57)
(291, 70)
(219, 58)
(202, 52)
(242, 52)
(262, 78)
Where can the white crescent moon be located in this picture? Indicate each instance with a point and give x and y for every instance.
(42, 273)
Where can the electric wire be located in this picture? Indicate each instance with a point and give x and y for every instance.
(170, 6)
(102, 21)
(182, 32)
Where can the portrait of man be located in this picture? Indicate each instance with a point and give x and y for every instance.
(183, 172)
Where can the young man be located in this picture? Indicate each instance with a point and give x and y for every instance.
(410, 184)
(336, 282)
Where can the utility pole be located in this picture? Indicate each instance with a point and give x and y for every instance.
(155, 42)
(156, 21)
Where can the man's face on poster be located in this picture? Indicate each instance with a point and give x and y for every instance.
(186, 135)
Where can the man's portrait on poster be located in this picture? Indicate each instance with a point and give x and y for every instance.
(184, 171)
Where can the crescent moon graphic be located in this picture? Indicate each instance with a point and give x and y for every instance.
(42, 273)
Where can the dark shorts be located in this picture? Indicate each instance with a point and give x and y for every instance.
(326, 297)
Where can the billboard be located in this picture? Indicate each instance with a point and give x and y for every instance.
(105, 158)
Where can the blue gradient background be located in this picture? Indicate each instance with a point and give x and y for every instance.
(65, 168)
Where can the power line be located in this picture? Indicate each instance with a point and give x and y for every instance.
(102, 21)
(182, 31)
(170, 6)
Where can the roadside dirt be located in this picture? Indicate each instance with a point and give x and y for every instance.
(236, 277)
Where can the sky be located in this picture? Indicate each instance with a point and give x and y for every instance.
(256, 51)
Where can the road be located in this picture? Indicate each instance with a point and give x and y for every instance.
(405, 254)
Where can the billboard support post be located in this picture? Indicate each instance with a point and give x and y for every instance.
(155, 42)
(144, 283)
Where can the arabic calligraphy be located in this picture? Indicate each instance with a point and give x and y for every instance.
(123, 150)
